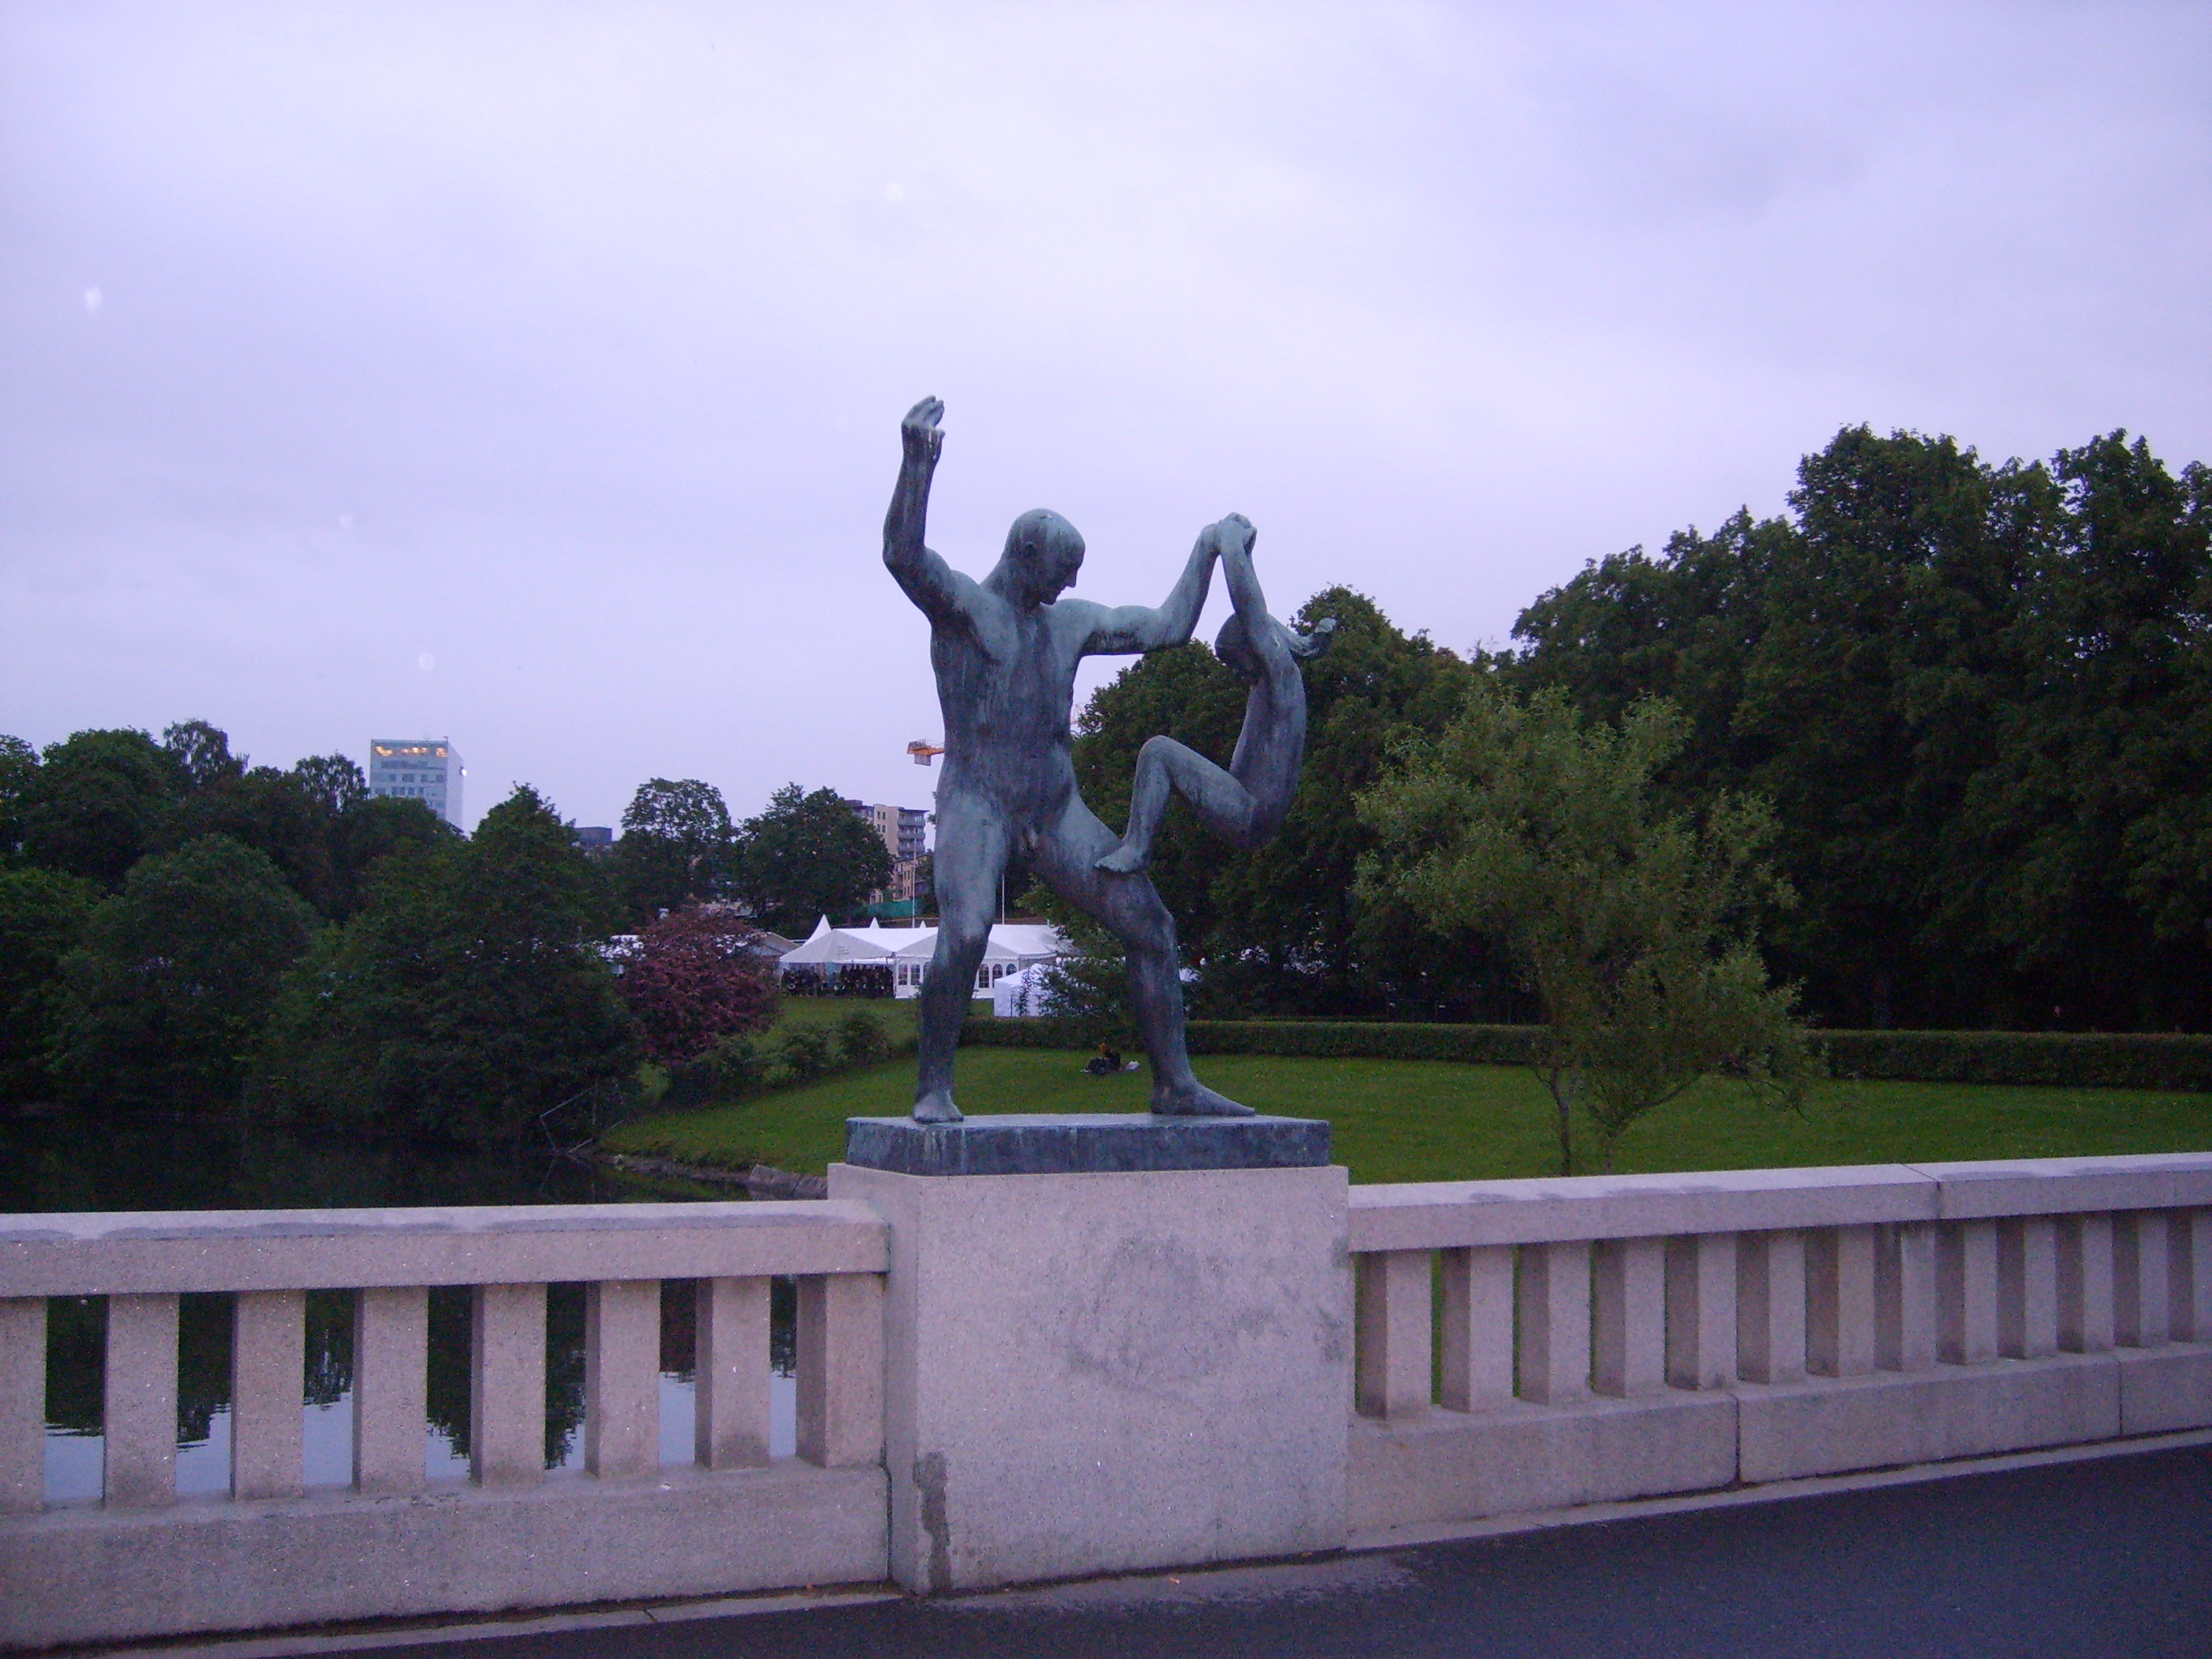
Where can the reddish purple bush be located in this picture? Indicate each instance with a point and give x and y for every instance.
(696, 978)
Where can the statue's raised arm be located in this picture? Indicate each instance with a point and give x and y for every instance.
(927, 579)
(1122, 630)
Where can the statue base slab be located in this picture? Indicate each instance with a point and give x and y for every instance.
(1084, 1142)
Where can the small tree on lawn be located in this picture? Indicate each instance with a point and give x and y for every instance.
(692, 981)
(1635, 925)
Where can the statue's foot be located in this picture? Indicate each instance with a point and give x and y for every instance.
(1196, 1099)
(1124, 860)
(936, 1107)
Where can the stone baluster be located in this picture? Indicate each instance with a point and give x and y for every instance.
(507, 1385)
(840, 1368)
(2189, 1280)
(1701, 1310)
(1628, 1317)
(730, 1366)
(1839, 1302)
(22, 1404)
(1392, 1311)
(2141, 1309)
(1905, 1335)
(1476, 1358)
(2085, 1284)
(2028, 1287)
(140, 1401)
(391, 1382)
(268, 1385)
(1553, 1286)
(1770, 1306)
(1966, 1291)
(622, 1378)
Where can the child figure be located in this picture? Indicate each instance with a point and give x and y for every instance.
(1248, 802)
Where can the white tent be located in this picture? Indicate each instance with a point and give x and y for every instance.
(907, 950)
(827, 944)
(1021, 994)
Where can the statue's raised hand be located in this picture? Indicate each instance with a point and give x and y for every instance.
(1235, 534)
(920, 433)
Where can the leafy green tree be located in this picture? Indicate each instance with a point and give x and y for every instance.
(97, 801)
(466, 996)
(1976, 695)
(1635, 926)
(334, 782)
(19, 773)
(164, 997)
(677, 846)
(202, 754)
(373, 829)
(42, 914)
(806, 856)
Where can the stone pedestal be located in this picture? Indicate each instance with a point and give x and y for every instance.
(1100, 1372)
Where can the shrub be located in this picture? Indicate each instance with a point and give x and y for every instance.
(694, 980)
(861, 1038)
(2057, 1060)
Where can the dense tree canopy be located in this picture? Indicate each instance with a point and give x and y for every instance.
(164, 997)
(42, 914)
(1979, 698)
(677, 846)
(806, 856)
(467, 996)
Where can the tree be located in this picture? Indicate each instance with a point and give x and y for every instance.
(96, 802)
(202, 754)
(163, 999)
(19, 774)
(807, 856)
(42, 914)
(675, 846)
(465, 998)
(1637, 927)
(1976, 695)
(696, 978)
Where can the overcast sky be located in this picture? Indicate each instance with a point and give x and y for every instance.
(531, 376)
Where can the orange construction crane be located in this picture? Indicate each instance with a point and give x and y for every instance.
(924, 752)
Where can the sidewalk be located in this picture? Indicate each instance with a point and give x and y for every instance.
(2111, 1557)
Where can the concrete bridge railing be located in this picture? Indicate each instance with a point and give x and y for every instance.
(142, 1562)
(1599, 1339)
(1004, 1378)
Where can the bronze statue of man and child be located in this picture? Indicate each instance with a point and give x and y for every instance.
(1005, 650)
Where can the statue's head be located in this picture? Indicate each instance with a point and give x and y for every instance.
(1044, 552)
(1233, 645)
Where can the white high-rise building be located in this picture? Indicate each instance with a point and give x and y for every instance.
(428, 769)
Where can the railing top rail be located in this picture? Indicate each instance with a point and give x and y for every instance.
(1442, 1215)
(96, 1252)
(2063, 1186)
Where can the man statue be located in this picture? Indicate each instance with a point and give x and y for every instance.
(1005, 650)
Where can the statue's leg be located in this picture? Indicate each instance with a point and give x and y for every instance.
(1222, 805)
(971, 855)
(1067, 856)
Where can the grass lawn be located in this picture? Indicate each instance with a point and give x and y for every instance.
(1413, 1119)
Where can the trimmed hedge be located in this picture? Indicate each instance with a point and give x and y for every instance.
(2054, 1059)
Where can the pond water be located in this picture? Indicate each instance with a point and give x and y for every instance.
(54, 1162)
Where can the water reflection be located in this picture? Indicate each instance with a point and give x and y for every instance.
(64, 1161)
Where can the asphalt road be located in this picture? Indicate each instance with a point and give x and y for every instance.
(2079, 1561)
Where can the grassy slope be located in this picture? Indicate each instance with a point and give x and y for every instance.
(1433, 1120)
